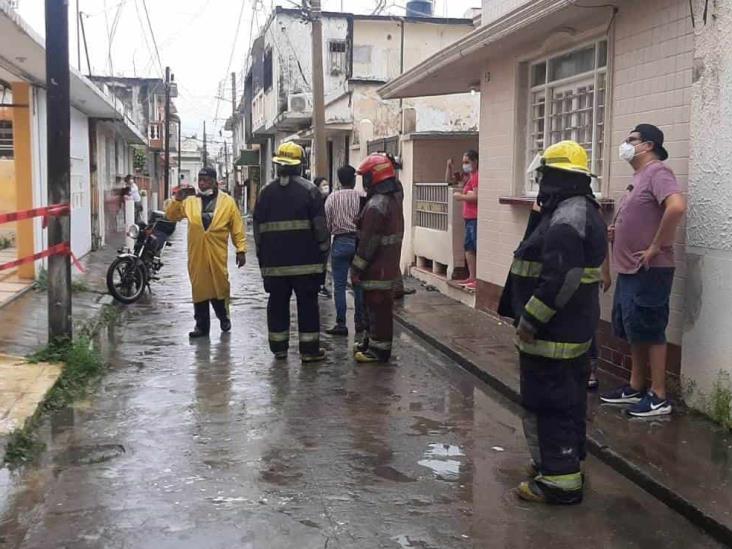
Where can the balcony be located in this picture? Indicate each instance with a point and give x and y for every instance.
(155, 136)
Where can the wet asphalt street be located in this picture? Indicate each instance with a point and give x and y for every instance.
(216, 445)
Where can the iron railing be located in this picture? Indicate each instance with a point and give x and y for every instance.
(431, 205)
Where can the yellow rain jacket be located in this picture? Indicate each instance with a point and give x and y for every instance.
(208, 249)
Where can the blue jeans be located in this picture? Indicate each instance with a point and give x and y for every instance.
(341, 255)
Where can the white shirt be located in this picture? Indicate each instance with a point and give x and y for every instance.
(135, 192)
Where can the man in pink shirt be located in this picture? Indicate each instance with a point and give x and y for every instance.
(643, 235)
(469, 198)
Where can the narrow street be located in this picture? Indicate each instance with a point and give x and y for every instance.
(208, 445)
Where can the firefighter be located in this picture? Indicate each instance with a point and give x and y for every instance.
(212, 217)
(292, 241)
(376, 265)
(553, 295)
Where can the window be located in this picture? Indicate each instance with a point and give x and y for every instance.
(567, 98)
(338, 60)
(268, 77)
(6, 140)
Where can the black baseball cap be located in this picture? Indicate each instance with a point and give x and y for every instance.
(207, 172)
(649, 132)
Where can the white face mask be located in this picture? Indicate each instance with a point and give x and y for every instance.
(467, 168)
(207, 192)
(627, 152)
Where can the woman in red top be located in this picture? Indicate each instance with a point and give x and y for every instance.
(469, 198)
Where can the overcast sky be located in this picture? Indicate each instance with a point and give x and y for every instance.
(197, 38)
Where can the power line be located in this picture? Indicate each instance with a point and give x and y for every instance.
(233, 49)
(152, 34)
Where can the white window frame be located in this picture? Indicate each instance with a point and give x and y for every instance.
(590, 77)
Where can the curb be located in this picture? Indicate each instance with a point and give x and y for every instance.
(685, 507)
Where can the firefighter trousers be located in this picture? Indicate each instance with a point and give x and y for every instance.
(280, 291)
(202, 313)
(379, 306)
(554, 396)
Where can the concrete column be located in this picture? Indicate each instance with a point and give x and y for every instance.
(154, 202)
(129, 220)
(23, 177)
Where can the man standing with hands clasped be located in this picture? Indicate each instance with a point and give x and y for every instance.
(642, 254)
(212, 217)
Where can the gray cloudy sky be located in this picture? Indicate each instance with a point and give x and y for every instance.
(197, 38)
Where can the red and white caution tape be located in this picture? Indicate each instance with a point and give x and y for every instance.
(49, 211)
(58, 249)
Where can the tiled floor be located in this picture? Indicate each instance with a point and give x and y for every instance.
(10, 285)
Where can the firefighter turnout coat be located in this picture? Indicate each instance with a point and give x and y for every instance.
(555, 280)
(290, 230)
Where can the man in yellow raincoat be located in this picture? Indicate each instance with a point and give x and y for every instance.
(212, 217)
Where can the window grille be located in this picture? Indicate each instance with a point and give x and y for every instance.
(431, 205)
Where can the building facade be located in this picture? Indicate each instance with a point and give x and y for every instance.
(552, 70)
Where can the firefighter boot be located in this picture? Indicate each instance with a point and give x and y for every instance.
(553, 489)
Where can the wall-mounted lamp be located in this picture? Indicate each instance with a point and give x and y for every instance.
(474, 87)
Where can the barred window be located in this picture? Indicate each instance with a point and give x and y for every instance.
(567, 100)
(338, 60)
(6, 140)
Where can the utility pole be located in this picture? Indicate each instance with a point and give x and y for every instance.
(226, 163)
(180, 129)
(86, 47)
(166, 175)
(58, 122)
(234, 124)
(78, 37)
(205, 150)
(321, 158)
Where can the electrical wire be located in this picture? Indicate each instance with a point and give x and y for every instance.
(233, 49)
(152, 34)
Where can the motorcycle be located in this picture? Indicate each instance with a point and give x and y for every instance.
(132, 271)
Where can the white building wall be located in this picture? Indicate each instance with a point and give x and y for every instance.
(81, 240)
(708, 319)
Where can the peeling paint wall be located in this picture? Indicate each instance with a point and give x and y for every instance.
(708, 320)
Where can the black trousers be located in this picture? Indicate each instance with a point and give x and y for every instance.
(308, 312)
(202, 313)
(554, 395)
(379, 308)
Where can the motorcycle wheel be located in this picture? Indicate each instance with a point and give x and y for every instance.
(126, 280)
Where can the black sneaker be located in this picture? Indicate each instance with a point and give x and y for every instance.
(320, 356)
(337, 330)
(622, 395)
(225, 325)
(197, 333)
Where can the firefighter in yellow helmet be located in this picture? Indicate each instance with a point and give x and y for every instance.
(553, 295)
(292, 246)
(212, 217)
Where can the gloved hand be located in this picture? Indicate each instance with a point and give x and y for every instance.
(355, 278)
(241, 259)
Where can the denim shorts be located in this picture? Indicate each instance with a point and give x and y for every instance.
(641, 305)
(471, 235)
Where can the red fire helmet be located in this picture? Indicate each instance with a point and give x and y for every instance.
(377, 168)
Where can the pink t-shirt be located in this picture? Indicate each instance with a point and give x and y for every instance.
(639, 216)
(470, 209)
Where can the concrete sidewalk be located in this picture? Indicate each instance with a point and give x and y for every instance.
(684, 460)
(24, 330)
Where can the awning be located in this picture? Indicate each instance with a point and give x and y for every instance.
(23, 55)
(458, 68)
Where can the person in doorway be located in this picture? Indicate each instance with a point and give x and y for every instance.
(341, 210)
(469, 197)
(376, 265)
(212, 218)
(133, 191)
(553, 297)
(293, 241)
(642, 236)
(324, 187)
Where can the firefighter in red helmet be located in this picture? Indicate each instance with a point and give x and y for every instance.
(376, 265)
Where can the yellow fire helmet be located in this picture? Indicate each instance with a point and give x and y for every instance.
(569, 156)
(289, 154)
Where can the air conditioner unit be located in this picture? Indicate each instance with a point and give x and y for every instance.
(300, 102)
